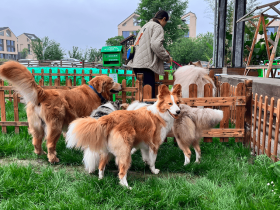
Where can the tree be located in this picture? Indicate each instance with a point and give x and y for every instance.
(24, 53)
(46, 49)
(94, 55)
(185, 50)
(75, 53)
(174, 29)
(114, 41)
(53, 51)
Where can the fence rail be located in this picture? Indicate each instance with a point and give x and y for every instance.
(225, 101)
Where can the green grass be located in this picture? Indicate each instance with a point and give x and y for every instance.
(228, 177)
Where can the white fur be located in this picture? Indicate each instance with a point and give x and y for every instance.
(187, 160)
(101, 174)
(197, 160)
(71, 139)
(191, 74)
(91, 160)
(123, 182)
(136, 105)
(174, 108)
(152, 160)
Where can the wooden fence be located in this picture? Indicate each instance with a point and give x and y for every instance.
(265, 131)
(224, 101)
(135, 92)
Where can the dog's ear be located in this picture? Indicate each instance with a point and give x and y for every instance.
(98, 83)
(124, 106)
(163, 90)
(198, 63)
(177, 90)
(190, 63)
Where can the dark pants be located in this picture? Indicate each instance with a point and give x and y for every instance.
(149, 78)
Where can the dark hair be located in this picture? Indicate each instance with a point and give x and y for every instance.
(160, 15)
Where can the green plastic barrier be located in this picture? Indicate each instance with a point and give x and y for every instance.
(78, 71)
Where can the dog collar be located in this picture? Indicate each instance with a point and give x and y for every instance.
(103, 100)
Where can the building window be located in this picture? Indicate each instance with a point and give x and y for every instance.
(29, 49)
(270, 30)
(134, 33)
(1, 45)
(1, 33)
(8, 33)
(124, 24)
(11, 46)
(125, 34)
(2, 55)
(136, 22)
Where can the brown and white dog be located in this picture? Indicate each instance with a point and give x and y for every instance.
(188, 127)
(117, 133)
(51, 111)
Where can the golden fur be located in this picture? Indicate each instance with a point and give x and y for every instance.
(120, 131)
(50, 111)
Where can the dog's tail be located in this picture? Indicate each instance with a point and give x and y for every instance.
(23, 81)
(86, 133)
(91, 160)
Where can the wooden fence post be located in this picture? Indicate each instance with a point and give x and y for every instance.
(16, 115)
(248, 112)
(193, 91)
(50, 77)
(276, 132)
(3, 108)
(208, 92)
(147, 92)
(226, 110)
(271, 110)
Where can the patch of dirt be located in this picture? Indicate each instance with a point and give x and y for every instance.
(38, 163)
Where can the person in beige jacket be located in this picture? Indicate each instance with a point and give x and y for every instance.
(150, 53)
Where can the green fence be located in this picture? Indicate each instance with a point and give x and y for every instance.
(78, 71)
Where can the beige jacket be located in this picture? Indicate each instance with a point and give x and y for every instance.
(150, 53)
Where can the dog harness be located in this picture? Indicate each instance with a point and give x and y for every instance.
(103, 100)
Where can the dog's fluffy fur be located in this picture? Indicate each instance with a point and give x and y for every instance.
(189, 127)
(51, 111)
(105, 109)
(120, 131)
(192, 74)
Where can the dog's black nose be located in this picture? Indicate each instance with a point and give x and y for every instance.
(121, 86)
(178, 111)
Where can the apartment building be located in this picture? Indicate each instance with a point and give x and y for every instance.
(131, 25)
(24, 41)
(8, 44)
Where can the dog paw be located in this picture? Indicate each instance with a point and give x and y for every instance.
(156, 171)
(133, 151)
(186, 163)
(54, 160)
(42, 152)
(197, 161)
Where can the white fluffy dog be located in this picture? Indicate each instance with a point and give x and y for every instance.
(192, 74)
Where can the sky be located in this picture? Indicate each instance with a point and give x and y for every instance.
(81, 23)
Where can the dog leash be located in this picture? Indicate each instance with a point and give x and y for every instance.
(174, 61)
(103, 100)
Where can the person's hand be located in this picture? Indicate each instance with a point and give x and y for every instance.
(170, 61)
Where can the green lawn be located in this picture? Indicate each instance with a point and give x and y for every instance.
(228, 177)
